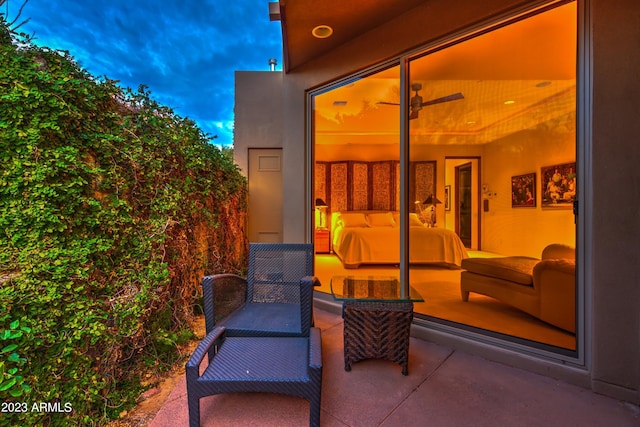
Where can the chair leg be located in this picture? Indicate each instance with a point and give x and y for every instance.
(314, 413)
(194, 411)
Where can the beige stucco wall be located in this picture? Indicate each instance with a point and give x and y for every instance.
(607, 243)
(258, 113)
(525, 231)
(615, 232)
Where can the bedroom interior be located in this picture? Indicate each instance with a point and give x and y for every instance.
(483, 112)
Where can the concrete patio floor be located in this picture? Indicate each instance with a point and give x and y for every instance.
(444, 388)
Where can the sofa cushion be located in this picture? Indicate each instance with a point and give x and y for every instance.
(518, 269)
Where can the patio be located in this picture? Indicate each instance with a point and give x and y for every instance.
(443, 388)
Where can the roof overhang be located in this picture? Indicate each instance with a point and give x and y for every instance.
(347, 19)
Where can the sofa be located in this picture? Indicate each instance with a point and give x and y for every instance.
(545, 288)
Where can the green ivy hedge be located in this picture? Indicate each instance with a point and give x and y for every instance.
(111, 209)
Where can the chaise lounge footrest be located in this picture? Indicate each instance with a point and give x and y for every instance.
(284, 365)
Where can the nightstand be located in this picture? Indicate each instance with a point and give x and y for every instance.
(322, 241)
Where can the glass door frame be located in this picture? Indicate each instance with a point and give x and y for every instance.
(576, 358)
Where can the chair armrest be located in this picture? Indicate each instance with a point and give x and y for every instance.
(315, 348)
(307, 284)
(215, 338)
(313, 279)
(222, 294)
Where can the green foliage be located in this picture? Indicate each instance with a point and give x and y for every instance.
(11, 382)
(111, 209)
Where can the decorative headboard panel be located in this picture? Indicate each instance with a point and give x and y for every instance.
(355, 185)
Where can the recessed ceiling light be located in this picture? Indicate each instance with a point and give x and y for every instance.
(339, 103)
(543, 84)
(322, 31)
(509, 102)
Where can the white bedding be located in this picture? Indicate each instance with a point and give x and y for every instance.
(381, 245)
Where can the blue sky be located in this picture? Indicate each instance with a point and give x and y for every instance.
(185, 51)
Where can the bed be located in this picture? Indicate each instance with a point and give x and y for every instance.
(373, 237)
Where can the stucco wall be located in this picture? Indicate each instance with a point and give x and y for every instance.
(616, 177)
(525, 231)
(258, 113)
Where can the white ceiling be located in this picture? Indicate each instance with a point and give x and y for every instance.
(531, 63)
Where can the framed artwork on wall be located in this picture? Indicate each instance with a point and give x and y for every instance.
(558, 185)
(523, 191)
(447, 197)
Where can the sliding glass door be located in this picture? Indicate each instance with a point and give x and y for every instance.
(496, 116)
(474, 141)
(356, 131)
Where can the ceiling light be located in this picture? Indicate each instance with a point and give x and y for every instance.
(509, 102)
(339, 103)
(322, 31)
(543, 84)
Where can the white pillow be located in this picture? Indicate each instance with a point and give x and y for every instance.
(414, 221)
(353, 220)
(381, 219)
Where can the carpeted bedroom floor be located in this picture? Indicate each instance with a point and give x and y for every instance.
(440, 288)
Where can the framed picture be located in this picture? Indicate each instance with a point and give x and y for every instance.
(558, 185)
(447, 197)
(523, 191)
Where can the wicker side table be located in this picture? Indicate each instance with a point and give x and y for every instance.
(377, 330)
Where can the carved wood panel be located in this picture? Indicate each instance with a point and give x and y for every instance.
(356, 185)
(320, 190)
(423, 180)
(359, 186)
(396, 198)
(382, 176)
(338, 199)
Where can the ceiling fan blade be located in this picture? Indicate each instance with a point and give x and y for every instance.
(448, 98)
(387, 103)
(414, 115)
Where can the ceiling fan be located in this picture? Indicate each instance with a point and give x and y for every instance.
(416, 102)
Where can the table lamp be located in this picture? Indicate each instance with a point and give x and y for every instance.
(321, 206)
(433, 201)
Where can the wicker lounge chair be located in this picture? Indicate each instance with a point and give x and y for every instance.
(284, 365)
(276, 299)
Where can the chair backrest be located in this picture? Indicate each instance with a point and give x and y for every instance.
(275, 270)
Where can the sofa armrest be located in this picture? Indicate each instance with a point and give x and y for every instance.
(555, 280)
(558, 251)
